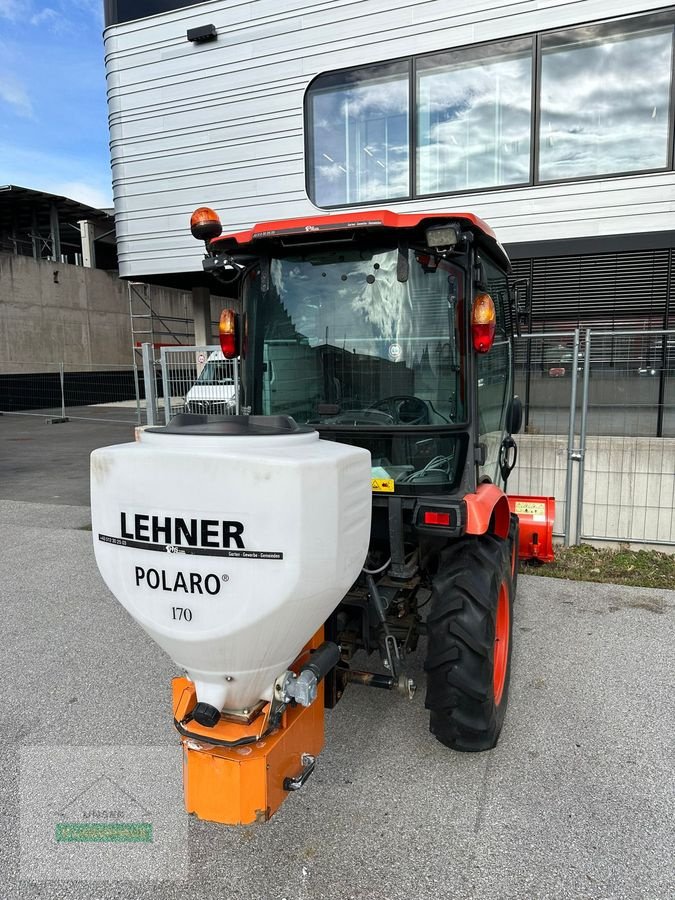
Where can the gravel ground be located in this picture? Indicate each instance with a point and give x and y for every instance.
(575, 802)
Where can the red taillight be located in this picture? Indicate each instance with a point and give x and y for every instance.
(205, 224)
(436, 518)
(227, 333)
(483, 322)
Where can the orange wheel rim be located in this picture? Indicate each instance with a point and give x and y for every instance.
(501, 649)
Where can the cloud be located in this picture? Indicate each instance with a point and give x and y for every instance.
(84, 193)
(45, 15)
(61, 173)
(11, 9)
(93, 8)
(604, 107)
(34, 13)
(14, 93)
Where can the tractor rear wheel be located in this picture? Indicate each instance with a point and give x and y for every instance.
(469, 630)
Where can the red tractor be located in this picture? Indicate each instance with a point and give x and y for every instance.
(376, 361)
(394, 332)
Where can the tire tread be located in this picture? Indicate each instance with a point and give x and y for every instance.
(461, 627)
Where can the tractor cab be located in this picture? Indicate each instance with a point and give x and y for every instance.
(391, 332)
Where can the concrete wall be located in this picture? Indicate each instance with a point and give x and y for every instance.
(51, 313)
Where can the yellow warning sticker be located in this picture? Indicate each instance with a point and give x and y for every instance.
(530, 508)
(383, 485)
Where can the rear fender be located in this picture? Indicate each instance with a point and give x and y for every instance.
(488, 510)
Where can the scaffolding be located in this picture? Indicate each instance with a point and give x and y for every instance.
(149, 327)
(158, 330)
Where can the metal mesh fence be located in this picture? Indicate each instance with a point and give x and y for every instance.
(627, 479)
(629, 490)
(110, 393)
(38, 392)
(194, 379)
(544, 370)
(97, 392)
(199, 380)
(542, 471)
(628, 375)
(546, 373)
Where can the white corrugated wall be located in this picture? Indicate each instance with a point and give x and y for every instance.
(221, 124)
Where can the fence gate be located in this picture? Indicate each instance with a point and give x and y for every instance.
(547, 369)
(199, 380)
(626, 485)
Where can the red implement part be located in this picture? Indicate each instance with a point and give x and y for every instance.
(536, 515)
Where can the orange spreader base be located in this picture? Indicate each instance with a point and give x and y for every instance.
(245, 784)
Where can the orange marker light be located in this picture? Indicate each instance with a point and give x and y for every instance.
(228, 333)
(483, 322)
(205, 224)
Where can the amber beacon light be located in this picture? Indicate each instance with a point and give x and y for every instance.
(483, 322)
(205, 224)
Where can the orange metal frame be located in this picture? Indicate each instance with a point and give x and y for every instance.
(535, 517)
(487, 504)
(245, 784)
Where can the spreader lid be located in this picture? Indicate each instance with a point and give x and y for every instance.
(246, 426)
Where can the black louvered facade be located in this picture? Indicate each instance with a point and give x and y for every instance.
(619, 284)
(612, 290)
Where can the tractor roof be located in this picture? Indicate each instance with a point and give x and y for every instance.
(370, 220)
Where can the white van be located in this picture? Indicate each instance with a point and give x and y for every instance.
(214, 392)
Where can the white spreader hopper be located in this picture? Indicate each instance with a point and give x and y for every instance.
(231, 542)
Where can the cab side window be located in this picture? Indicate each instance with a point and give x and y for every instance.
(494, 374)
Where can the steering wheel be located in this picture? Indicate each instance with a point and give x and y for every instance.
(368, 416)
(404, 409)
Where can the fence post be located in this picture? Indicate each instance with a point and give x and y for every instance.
(662, 386)
(572, 454)
(149, 381)
(166, 386)
(55, 420)
(582, 437)
(62, 378)
(137, 391)
(235, 378)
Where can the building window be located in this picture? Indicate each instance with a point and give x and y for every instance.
(602, 107)
(474, 112)
(605, 97)
(360, 136)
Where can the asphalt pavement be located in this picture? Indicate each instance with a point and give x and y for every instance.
(42, 463)
(576, 801)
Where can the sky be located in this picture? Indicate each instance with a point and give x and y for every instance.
(53, 115)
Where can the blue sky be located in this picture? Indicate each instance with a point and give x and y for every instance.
(53, 116)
